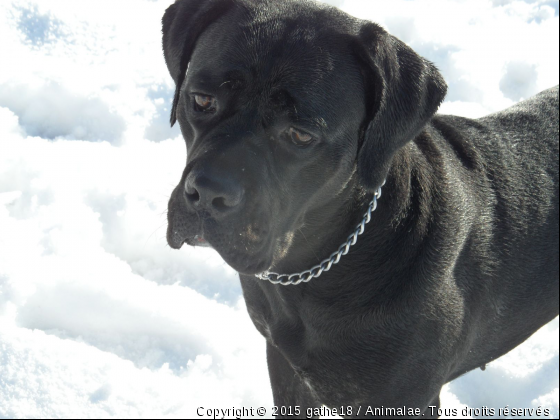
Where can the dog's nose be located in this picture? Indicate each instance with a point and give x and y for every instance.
(216, 194)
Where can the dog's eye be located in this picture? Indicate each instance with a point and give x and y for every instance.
(299, 138)
(205, 103)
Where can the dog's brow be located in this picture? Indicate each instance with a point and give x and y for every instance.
(234, 78)
(318, 123)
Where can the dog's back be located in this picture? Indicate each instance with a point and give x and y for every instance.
(511, 159)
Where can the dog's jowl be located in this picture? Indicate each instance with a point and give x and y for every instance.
(295, 114)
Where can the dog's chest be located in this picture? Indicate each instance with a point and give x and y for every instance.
(324, 350)
(336, 364)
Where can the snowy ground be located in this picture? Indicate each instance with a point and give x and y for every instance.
(98, 316)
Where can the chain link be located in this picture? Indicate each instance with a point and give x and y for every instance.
(316, 271)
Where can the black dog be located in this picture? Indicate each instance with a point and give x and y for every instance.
(294, 114)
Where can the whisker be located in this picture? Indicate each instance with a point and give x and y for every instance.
(152, 234)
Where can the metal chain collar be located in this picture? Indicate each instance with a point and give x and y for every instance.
(306, 276)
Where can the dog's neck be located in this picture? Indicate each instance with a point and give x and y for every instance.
(403, 207)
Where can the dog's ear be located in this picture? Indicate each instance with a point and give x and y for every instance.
(403, 92)
(183, 22)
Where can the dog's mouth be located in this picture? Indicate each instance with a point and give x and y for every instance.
(247, 254)
(241, 251)
(199, 240)
(177, 236)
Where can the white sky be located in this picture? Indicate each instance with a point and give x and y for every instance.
(98, 317)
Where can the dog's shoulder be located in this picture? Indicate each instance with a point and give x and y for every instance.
(537, 116)
(525, 132)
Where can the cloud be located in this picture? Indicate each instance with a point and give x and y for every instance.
(335, 3)
(519, 81)
(38, 28)
(51, 111)
(549, 400)
(42, 376)
(473, 44)
(9, 122)
(159, 127)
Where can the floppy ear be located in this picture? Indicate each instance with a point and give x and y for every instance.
(404, 92)
(183, 22)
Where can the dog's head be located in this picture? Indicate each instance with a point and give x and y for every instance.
(284, 102)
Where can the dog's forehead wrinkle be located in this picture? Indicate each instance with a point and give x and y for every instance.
(282, 47)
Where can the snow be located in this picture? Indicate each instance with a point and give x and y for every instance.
(98, 316)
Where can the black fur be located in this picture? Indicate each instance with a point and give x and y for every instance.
(192, 19)
(460, 263)
(406, 91)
